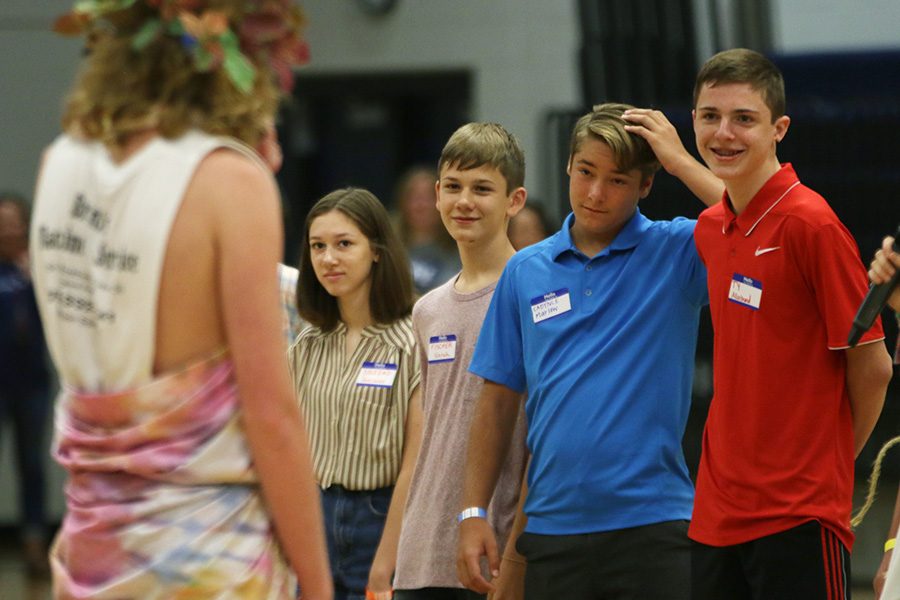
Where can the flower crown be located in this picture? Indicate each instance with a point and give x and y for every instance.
(269, 28)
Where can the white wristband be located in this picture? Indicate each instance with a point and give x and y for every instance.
(471, 513)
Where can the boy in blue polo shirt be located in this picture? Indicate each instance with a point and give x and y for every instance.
(599, 324)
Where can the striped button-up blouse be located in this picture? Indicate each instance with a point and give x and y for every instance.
(355, 409)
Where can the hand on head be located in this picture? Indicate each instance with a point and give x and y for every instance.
(653, 126)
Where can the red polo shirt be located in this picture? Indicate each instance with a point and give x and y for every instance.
(785, 281)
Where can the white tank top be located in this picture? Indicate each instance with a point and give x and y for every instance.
(99, 234)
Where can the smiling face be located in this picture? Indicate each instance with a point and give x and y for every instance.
(736, 136)
(342, 256)
(603, 197)
(474, 203)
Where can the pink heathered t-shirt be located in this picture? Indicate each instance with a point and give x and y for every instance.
(426, 556)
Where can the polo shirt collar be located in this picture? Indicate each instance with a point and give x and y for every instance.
(766, 199)
(628, 238)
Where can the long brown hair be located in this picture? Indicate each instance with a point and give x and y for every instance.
(391, 295)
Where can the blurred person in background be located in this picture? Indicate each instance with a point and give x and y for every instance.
(24, 378)
(887, 579)
(529, 226)
(432, 252)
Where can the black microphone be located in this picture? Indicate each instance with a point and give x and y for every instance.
(874, 302)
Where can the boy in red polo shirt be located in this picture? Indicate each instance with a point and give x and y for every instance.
(792, 404)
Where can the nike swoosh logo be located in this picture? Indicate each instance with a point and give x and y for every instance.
(761, 251)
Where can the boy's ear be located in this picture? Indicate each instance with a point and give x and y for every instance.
(437, 194)
(646, 184)
(781, 127)
(516, 201)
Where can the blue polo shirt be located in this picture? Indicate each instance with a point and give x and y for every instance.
(608, 380)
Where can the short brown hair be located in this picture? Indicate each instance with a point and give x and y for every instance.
(477, 144)
(121, 91)
(605, 124)
(741, 65)
(391, 295)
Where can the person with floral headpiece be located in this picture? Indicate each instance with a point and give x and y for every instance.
(156, 233)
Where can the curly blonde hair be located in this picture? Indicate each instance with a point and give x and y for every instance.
(121, 91)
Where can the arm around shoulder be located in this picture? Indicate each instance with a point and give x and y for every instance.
(248, 245)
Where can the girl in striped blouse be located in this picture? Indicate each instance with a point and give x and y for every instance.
(356, 373)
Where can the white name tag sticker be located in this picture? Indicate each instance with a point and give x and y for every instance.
(550, 305)
(441, 348)
(745, 291)
(373, 374)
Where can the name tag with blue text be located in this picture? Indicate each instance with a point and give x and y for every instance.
(550, 305)
(745, 291)
(441, 348)
(373, 374)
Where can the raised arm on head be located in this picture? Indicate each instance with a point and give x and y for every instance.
(653, 126)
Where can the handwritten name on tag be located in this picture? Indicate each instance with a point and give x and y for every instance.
(441, 348)
(552, 304)
(745, 291)
(373, 374)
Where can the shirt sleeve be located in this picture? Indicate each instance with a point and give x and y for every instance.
(499, 353)
(291, 322)
(839, 282)
(415, 367)
(691, 269)
(421, 344)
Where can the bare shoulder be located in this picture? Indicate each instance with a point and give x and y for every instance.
(228, 176)
(234, 192)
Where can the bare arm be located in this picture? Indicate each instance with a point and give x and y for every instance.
(653, 126)
(489, 439)
(881, 573)
(249, 246)
(385, 560)
(883, 267)
(868, 372)
(510, 585)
